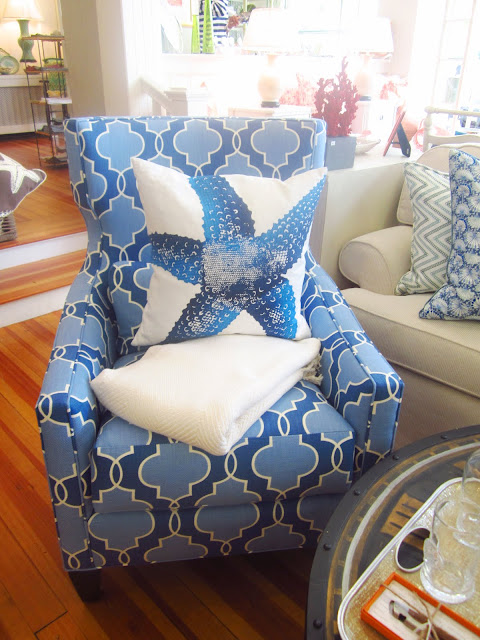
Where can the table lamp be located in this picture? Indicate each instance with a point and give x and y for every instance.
(23, 11)
(273, 32)
(372, 39)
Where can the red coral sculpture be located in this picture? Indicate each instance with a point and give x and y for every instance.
(336, 103)
(303, 94)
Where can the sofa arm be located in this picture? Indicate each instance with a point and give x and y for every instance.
(67, 411)
(357, 380)
(376, 261)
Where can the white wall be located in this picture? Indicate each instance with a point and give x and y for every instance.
(109, 45)
(82, 54)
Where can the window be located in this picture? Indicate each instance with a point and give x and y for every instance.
(457, 69)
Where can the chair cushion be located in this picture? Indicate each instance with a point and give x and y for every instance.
(228, 253)
(432, 230)
(448, 352)
(207, 392)
(300, 446)
(459, 298)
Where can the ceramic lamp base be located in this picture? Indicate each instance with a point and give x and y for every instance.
(25, 45)
(270, 83)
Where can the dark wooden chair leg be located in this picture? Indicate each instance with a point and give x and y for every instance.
(87, 584)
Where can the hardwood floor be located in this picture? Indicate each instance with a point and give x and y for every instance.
(50, 211)
(258, 597)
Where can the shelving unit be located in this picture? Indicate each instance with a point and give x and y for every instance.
(51, 75)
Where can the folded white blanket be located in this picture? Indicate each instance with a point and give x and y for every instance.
(206, 392)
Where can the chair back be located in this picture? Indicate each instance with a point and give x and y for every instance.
(100, 152)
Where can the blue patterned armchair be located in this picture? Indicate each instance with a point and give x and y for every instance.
(123, 495)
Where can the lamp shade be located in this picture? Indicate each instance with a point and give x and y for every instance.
(21, 10)
(271, 31)
(373, 37)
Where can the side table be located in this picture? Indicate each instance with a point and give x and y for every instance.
(374, 510)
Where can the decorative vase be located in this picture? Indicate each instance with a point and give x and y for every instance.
(340, 152)
(195, 47)
(208, 45)
(219, 20)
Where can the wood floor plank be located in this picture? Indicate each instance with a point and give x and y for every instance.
(32, 596)
(120, 615)
(34, 530)
(214, 598)
(37, 277)
(147, 607)
(30, 344)
(48, 321)
(24, 355)
(18, 388)
(64, 628)
(12, 624)
(188, 612)
(257, 601)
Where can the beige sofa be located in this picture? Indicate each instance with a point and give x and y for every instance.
(439, 360)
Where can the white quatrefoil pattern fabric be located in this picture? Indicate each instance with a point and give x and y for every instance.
(228, 253)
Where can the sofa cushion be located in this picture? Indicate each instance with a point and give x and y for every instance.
(228, 253)
(432, 230)
(448, 352)
(300, 447)
(459, 298)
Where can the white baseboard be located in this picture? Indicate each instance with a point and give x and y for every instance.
(33, 306)
(33, 251)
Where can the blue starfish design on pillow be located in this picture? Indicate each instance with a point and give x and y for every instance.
(236, 269)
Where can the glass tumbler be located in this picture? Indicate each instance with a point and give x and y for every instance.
(471, 479)
(451, 553)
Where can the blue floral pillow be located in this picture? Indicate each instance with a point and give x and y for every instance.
(228, 253)
(459, 298)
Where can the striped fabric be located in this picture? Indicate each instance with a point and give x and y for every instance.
(220, 20)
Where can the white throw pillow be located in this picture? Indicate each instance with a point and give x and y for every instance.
(206, 392)
(228, 253)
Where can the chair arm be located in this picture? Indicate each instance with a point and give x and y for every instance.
(376, 261)
(67, 411)
(357, 380)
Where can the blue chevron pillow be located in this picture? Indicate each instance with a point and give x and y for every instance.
(228, 253)
(432, 230)
(459, 298)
